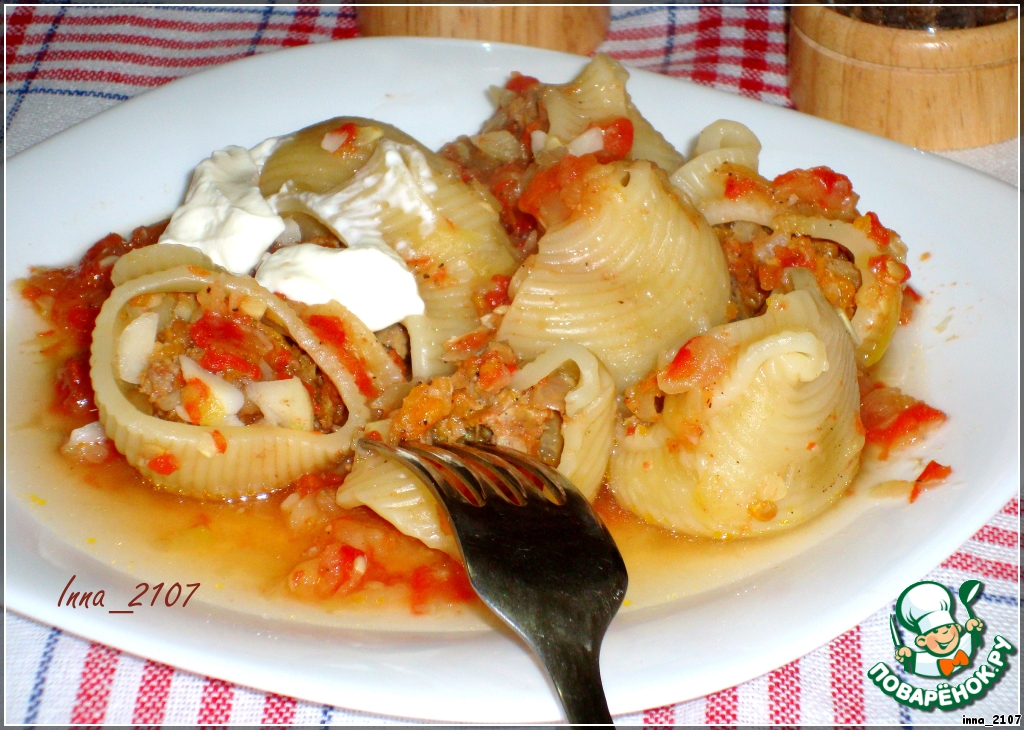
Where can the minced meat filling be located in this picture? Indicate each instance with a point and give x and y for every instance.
(475, 404)
(519, 114)
(757, 259)
(239, 348)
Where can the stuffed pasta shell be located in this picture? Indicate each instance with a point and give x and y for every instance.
(213, 387)
(446, 231)
(596, 97)
(760, 427)
(560, 407)
(805, 218)
(626, 267)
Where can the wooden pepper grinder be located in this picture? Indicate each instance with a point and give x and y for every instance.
(573, 29)
(937, 86)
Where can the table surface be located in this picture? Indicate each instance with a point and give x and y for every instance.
(65, 64)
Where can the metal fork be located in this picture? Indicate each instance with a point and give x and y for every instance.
(536, 554)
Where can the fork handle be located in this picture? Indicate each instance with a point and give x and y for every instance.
(576, 674)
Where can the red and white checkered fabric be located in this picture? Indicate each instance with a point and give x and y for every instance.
(64, 64)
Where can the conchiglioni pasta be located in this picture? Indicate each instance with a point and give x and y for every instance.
(219, 459)
(586, 412)
(598, 94)
(719, 142)
(723, 182)
(302, 160)
(632, 271)
(445, 229)
(767, 442)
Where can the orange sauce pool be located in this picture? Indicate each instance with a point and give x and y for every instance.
(242, 552)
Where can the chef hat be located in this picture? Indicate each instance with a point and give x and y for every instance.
(925, 606)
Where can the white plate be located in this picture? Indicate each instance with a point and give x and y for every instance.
(129, 166)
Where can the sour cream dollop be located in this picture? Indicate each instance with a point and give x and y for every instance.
(369, 280)
(396, 176)
(224, 215)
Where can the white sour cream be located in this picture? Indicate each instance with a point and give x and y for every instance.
(224, 215)
(354, 212)
(369, 280)
(262, 152)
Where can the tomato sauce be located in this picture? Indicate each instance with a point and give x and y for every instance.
(932, 474)
(819, 190)
(331, 330)
(893, 419)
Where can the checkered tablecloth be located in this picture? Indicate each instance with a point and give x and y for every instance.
(65, 64)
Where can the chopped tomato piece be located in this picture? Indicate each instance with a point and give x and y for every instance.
(218, 362)
(448, 581)
(819, 187)
(426, 405)
(197, 400)
(555, 192)
(618, 140)
(683, 364)
(934, 472)
(789, 257)
(519, 83)
(220, 441)
(213, 328)
(314, 482)
(332, 331)
(736, 187)
(528, 130)
(910, 301)
(74, 387)
(893, 419)
(279, 359)
(869, 224)
(82, 317)
(888, 270)
(496, 295)
(165, 464)
(342, 139)
(506, 184)
(337, 570)
(493, 374)
(471, 341)
(698, 364)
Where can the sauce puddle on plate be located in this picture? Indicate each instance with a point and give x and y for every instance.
(242, 552)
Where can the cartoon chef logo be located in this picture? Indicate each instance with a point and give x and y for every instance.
(942, 646)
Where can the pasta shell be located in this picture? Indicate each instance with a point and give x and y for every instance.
(777, 442)
(180, 457)
(719, 142)
(598, 94)
(589, 423)
(445, 229)
(391, 490)
(394, 493)
(150, 259)
(636, 272)
(878, 302)
(301, 159)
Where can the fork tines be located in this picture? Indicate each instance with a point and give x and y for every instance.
(475, 473)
